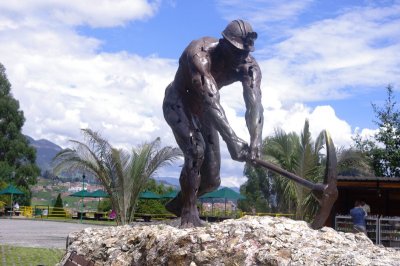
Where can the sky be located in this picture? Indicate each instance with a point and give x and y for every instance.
(104, 65)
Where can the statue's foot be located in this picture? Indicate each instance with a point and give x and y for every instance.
(189, 221)
(174, 206)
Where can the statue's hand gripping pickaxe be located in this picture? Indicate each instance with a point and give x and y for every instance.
(326, 193)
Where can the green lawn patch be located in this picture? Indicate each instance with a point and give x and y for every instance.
(12, 255)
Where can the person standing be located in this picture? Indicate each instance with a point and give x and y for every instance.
(358, 216)
(366, 207)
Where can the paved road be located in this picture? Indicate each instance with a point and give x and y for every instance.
(34, 233)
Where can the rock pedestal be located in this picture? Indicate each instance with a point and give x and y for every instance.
(246, 241)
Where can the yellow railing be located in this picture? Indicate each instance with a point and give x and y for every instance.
(26, 211)
(45, 211)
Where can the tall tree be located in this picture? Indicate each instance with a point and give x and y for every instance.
(353, 162)
(17, 158)
(58, 208)
(59, 202)
(384, 149)
(387, 159)
(298, 154)
(257, 189)
(123, 174)
(154, 206)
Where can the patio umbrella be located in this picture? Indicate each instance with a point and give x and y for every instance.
(82, 194)
(170, 195)
(99, 194)
(11, 190)
(223, 193)
(148, 195)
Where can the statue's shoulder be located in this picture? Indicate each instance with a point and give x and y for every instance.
(196, 56)
(201, 46)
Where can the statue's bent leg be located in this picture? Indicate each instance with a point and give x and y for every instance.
(190, 180)
(179, 123)
(210, 170)
(189, 138)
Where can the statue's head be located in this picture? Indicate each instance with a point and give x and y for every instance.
(240, 34)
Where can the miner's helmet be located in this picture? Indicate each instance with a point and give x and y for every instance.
(240, 34)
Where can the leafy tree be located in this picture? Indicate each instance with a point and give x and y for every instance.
(154, 206)
(257, 190)
(299, 155)
(121, 173)
(59, 202)
(384, 149)
(353, 162)
(104, 205)
(17, 158)
(58, 209)
(387, 159)
(158, 188)
(295, 153)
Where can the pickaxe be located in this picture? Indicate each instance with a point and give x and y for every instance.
(326, 193)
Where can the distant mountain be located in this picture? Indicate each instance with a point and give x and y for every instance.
(169, 181)
(45, 152)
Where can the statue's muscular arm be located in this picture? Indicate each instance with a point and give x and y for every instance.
(207, 90)
(251, 80)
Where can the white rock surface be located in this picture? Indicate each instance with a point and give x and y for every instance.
(246, 241)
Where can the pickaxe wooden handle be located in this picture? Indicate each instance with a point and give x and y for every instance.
(302, 181)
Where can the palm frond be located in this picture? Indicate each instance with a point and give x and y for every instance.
(122, 174)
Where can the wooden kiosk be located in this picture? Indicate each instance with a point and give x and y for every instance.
(382, 194)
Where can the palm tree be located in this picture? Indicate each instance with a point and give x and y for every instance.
(122, 174)
(301, 156)
(281, 150)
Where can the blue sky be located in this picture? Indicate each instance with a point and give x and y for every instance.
(105, 64)
(183, 21)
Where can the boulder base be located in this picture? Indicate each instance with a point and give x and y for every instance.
(246, 241)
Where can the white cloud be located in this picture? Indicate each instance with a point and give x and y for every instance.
(233, 181)
(330, 59)
(96, 13)
(262, 13)
(63, 83)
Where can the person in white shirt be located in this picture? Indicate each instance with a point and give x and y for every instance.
(366, 207)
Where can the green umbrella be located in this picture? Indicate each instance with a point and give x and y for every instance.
(82, 194)
(223, 193)
(170, 195)
(148, 195)
(100, 194)
(11, 190)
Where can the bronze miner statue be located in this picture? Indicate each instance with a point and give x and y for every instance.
(192, 109)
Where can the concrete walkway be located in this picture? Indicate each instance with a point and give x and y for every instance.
(34, 233)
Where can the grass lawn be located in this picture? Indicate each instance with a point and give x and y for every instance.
(12, 255)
